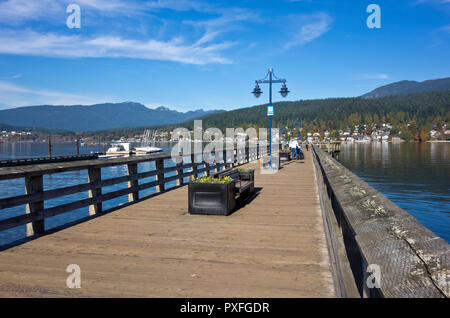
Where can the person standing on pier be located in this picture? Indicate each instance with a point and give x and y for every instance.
(293, 144)
(307, 144)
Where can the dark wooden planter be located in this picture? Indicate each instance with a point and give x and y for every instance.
(285, 156)
(211, 198)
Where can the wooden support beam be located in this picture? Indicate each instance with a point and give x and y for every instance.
(180, 180)
(133, 170)
(194, 166)
(34, 185)
(95, 175)
(160, 174)
(207, 167)
(225, 158)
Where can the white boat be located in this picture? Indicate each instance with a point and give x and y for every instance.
(145, 145)
(147, 149)
(119, 149)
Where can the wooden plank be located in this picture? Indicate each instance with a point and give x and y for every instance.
(271, 247)
(49, 168)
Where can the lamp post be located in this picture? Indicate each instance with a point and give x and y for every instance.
(270, 79)
(298, 127)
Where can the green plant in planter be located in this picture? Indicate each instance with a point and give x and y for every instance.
(245, 170)
(206, 179)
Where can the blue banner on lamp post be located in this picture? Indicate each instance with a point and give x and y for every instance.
(270, 110)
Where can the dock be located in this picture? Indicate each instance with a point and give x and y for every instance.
(274, 245)
(312, 229)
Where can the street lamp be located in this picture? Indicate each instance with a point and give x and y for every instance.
(298, 127)
(270, 111)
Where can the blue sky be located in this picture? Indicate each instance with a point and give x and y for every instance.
(206, 54)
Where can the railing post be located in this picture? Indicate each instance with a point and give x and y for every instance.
(95, 175)
(77, 143)
(194, 166)
(207, 172)
(132, 172)
(180, 180)
(225, 164)
(160, 174)
(32, 185)
(216, 166)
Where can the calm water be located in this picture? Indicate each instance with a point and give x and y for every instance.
(415, 176)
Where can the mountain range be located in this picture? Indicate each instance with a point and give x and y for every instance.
(129, 114)
(95, 117)
(408, 87)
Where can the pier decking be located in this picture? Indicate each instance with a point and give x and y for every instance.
(273, 246)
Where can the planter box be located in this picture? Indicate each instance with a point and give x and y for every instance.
(285, 156)
(211, 198)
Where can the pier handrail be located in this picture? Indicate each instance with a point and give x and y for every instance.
(412, 261)
(35, 195)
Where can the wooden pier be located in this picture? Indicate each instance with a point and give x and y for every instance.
(274, 245)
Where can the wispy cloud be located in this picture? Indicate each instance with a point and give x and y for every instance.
(20, 11)
(12, 95)
(373, 76)
(17, 75)
(203, 49)
(227, 22)
(309, 28)
(180, 5)
(50, 44)
(416, 2)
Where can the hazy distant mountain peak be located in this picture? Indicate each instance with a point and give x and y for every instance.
(95, 117)
(409, 87)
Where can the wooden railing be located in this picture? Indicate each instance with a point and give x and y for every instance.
(29, 161)
(35, 195)
(331, 147)
(368, 231)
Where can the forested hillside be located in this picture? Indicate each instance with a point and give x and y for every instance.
(410, 113)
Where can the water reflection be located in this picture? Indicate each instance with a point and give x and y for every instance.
(415, 176)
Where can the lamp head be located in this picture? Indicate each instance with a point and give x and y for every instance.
(284, 90)
(257, 91)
